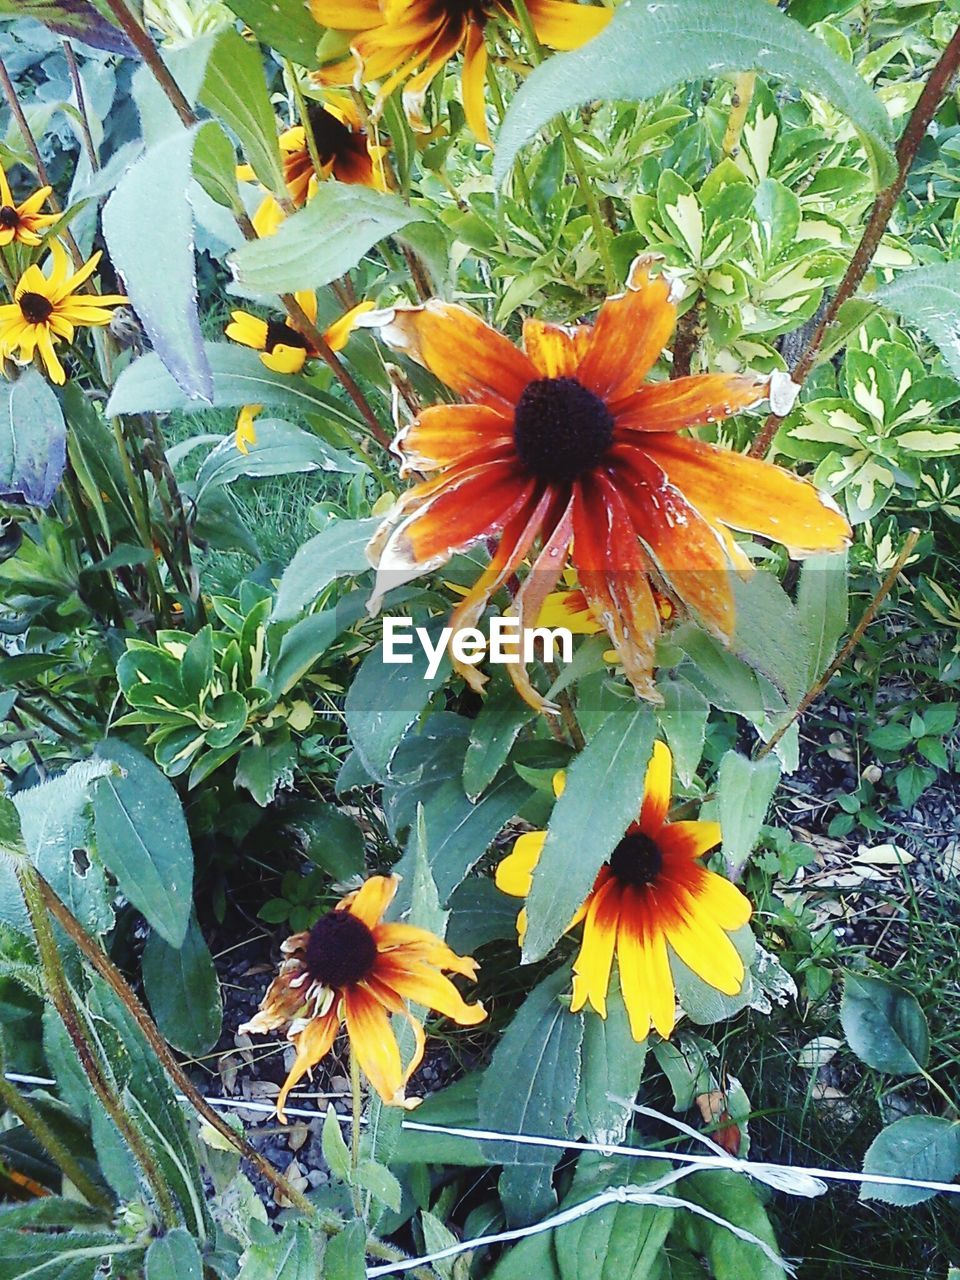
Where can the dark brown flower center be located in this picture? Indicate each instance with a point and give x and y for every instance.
(471, 10)
(332, 137)
(35, 307)
(282, 335)
(340, 950)
(560, 429)
(9, 218)
(636, 860)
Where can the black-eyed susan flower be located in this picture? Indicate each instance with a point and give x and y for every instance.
(652, 897)
(20, 223)
(49, 308)
(343, 147)
(245, 432)
(283, 348)
(409, 42)
(566, 444)
(351, 967)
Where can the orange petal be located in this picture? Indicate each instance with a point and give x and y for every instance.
(372, 899)
(657, 786)
(313, 1043)
(473, 82)
(346, 15)
(446, 434)
(423, 945)
(539, 582)
(373, 1041)
(474, 360)
(689, 552)
(630, 332)
(555, 349)
(688, 402)
(423, 984)
(690, 839)
(750, 495)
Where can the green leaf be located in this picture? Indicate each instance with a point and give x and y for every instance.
(611, 1065)
(929, 297)
(331, 838)
(495, 730)
(617, 1242)
(345, 1256)
(532, 1257)
(239, 378)
(75, 19)
(338, 551)
(648, 48)
(603, 795)
(480, 913)
(183, 991)
(33, 440)
(822, 610)
(683, 719)
(284, 25)
(321, 241)
(744, 790)
(704, 1004)
(335, 1150)
(926, 1148)
(280, 449)
(731, 1197)
(885, 1025)
(150, 203)
(174, 1256)
(294, 1254)
(263, 770)
(380, 1182)
(531, 1087)
(45, 1255)
(308, 640)
(234, 90)
(143, 839)
(454, 1107)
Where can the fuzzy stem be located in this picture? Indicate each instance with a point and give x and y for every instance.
(81, 105)
(908, 146)
(356, 1097)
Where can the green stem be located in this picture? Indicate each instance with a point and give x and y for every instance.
(60, 994)
(30, 1118)
(518, 170)
(356, 1095)
(142, 518)
(600, 230)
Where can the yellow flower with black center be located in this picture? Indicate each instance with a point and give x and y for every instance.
(409, 42)
(352, 967)
(343, 147)
(653, 896)
(283, 348)
(19, 223)
(49, 308)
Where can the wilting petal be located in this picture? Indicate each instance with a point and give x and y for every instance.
(445, 45)
(472, 359)
(613, 573)
(446, 434)
(591, 969)
(555, 349)
(750, 495)
(687, 402)
(372, 899)
(424, 985)
(423, 945)
(373, 1041)
(473, 82)
(313, 1044)
(514, 874)
(629, 333)
(539, 582)
(563, 25)
(657, 788)
(688, 551)
(690, 839)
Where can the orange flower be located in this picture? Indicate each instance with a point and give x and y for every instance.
(653, 895)
(353, 968)
(567, 444)
(343, 147)
(409, 42)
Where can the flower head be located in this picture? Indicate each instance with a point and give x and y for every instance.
(652, 896)
(353, 968)
(566, 443)
(19, 223)
(283, 348)
(409, 42)
(343, 147)
(48, 308)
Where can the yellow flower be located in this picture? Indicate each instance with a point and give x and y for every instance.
(282, 348)
(409, 42)
(343, 147)
(351, 967)
(245, 433)
(48, 308)
(652, 896)
(19, 223)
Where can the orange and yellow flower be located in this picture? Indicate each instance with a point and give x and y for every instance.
(345, 151)
(49, 308)
(352, 967)
(19, 223)
(653, 896)
(409, 42)
(566, 443)
(284, 349)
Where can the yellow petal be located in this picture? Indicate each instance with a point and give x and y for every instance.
(591, 969)
(248, 330)
(656, 789)
(338, 333)
(514, 875)
(284, 359)
(372, 899)
(313, 1043)
(704, 947)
